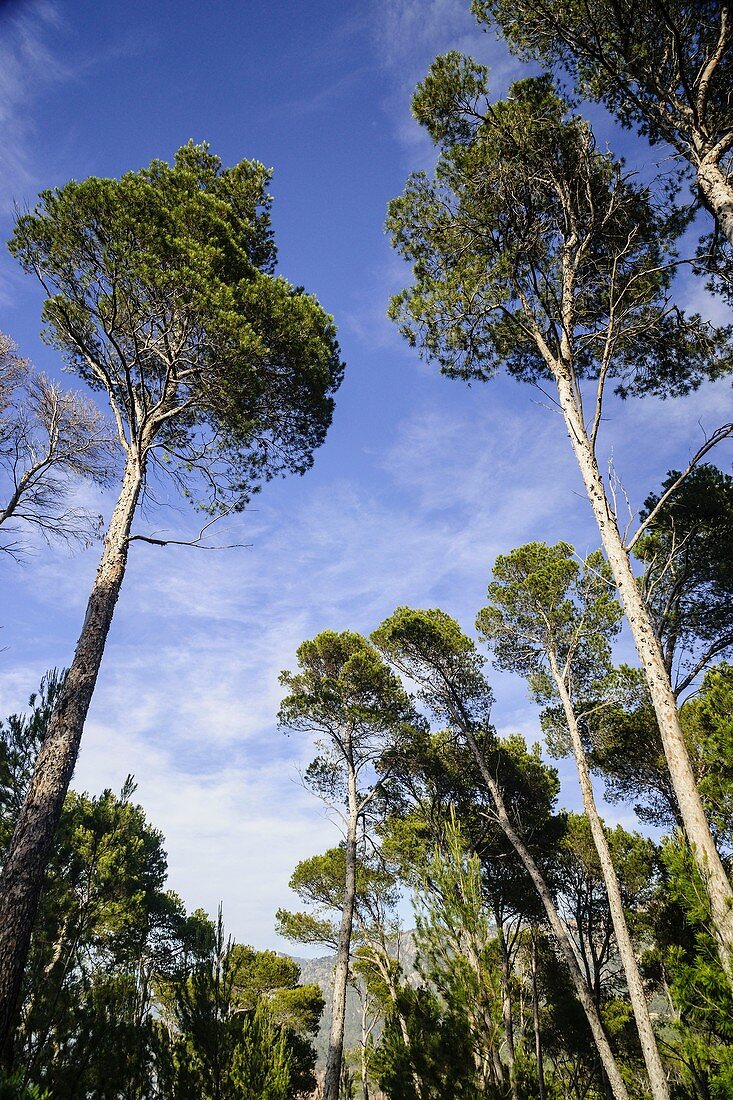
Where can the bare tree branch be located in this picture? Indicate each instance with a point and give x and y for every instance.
(717, 437)
(50, 439)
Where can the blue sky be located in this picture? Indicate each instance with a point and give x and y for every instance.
(420, 483)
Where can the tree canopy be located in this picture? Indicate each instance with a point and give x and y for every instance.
(161, 292)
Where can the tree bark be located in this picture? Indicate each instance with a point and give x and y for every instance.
(647, 645)
(652, 1060)
(536, 1023)
(30, 847)
(583, 992)
(506, 1007)
(332, 1079)
(717, 192)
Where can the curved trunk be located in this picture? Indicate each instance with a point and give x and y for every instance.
(332, 1079)
(647, 645)
(582, 990)
(27, 856)
(717, 192)
(652, 1060)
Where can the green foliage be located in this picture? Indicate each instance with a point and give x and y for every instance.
(447, 101)
(320, 879)
(21, 736)
(13, 1088)
(122, 988)
(237, 1023)
(305, 928)
(627, 750)
(261, 1064)
(663, 68)
(545, 607)
(625, 746)
(342, 679)
(708, 724)
(106, 924)
(432, 773)
(435, 1062)
(319, 882)
(520, 195)
(684, 962)
(458, 957)
(584, 899)
(438, 778)
(346, 695)
(160, 291)
(430, 648)
(644, 60)
(688, 573)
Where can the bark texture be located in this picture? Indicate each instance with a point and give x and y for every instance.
(647, 645)
(584, 994)
(27, 856)
(717, 192)
(332, 1079)
(652, 1060)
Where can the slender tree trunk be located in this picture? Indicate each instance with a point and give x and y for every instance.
(647, 646)
(332, 1079)
(536, 1022)
(27, 856)
(582, 989)
(506, 1007)
(652, 1060)
(364, 1047)
(382, 959)
(717, 192)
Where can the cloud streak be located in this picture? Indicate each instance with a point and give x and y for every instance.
(28, 66)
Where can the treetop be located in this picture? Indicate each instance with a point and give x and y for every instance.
(161, 291)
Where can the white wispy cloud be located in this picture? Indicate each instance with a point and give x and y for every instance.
(408, 34)
(28, 66)
(188, 695)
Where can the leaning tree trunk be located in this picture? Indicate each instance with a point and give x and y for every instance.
(717, 192)
(332, 1079)
(582, 989)
(647, 645)
(653, 1062)
(30, 847)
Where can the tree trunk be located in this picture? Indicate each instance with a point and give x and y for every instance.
(717, 192)
(652, 1060)
(582, 989)
(506, 1007)
(332, 1079)
(382, 960)
(364, 1048)
(647, 646)
(27, 856)
(536, 1023)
